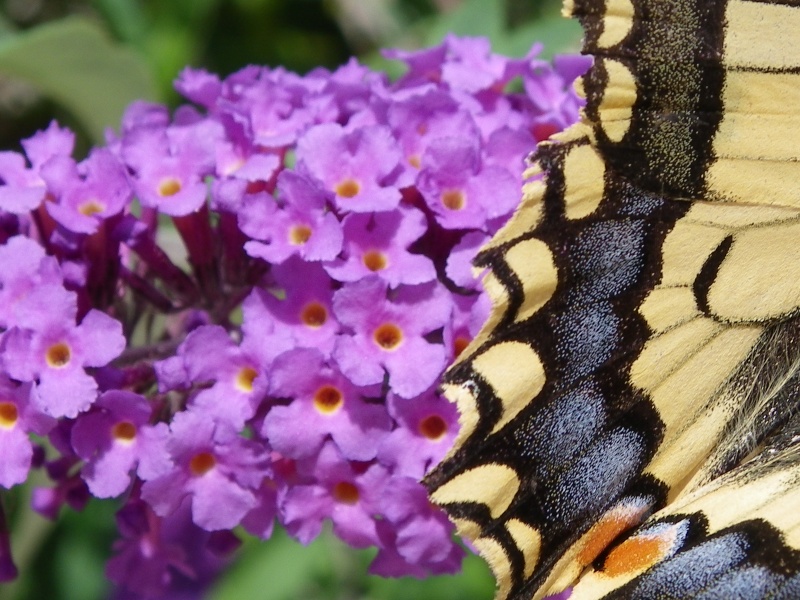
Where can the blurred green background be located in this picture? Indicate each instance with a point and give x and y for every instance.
(82, 62)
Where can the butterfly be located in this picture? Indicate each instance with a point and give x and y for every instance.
(629, 422)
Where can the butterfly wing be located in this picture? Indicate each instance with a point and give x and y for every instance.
(638, 295)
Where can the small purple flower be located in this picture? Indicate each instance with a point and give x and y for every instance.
(260, 520)
(69, 489)
(170, 165)
(112, 438)
(21, 189)
(549, 89)
(355, 166)
(459, 262)
(31, 286)
(164, 557)
(461, 192)
(350, 498)
(53, 141)
(323, 404)
(212, 466)
(420, 540)
(233, 377)
(56, 357)
(87, 193)
(302, 226)
(199, 86)
(469, 315)
(378, 243)
(427, 426)
(300, 309)
(18, 418)
(389, 336)
(471, 66)
(421, 118)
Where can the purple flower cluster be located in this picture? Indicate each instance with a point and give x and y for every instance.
(238, 314)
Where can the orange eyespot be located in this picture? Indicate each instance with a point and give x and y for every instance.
(349, 188)
(169, 186)
(8, 414)
(314, 315)
(202, 463)
(245, 378)
(328, 399)
(375, 260)
(454, 199)
(345, 492)
(433, 427)
(58, 355)
(635, 554)
(388, 336)
(124, 431)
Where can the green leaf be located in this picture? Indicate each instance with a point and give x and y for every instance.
(74, 63)
(279, 569)
(473, 17)
(557, 34)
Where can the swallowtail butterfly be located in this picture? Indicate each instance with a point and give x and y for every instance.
(628, 413)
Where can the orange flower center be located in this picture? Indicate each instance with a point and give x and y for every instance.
(348, 188)
(124, 431)
(375, 260)
(388, 336)
(91, 207)
(245, 378)
(433, 427)
(169, 186)
(202, 463)
(8, 414)
(299, 235)
(328, 399)
(314, 315)
(58, 355)
(345, 492)
(453, 199)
